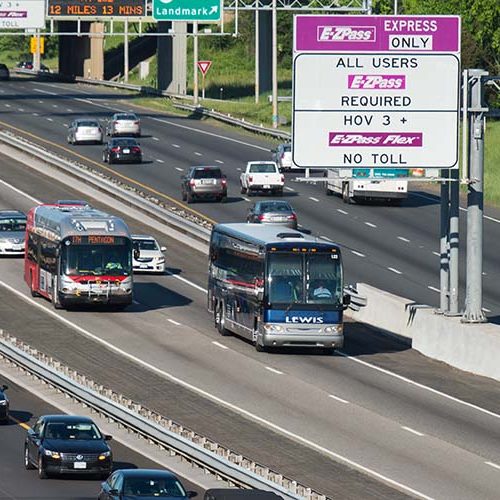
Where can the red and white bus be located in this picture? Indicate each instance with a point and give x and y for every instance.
(75, 254)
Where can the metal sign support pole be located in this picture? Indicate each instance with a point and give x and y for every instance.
(474, 292)
(453, 240)
(257, 56)
(125, 52)
(444, 271)
(195, 63)
(37, 55)
(275, 66)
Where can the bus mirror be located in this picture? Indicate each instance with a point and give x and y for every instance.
(346, 301)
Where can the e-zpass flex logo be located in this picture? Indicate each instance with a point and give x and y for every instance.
(346, 34)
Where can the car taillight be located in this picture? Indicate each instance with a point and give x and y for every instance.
(250, 179)
(116, 149)
(224, 181)
(262, 217)
(282, 178)
(136, 149)
(292, 217)
(136, 122)
(282, 155)
(192, 182)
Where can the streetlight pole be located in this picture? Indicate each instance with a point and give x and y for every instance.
(195, 63)
(275, 66)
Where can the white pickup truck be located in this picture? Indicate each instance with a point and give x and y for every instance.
(262, 176)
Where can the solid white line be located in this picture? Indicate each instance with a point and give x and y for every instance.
(179, 169)
(219, 161)
(394, 270)
(26, 195)
(437, 254)
(155, 139)
(190, 283)
(314, 199)
(211, 134)
(159, 161)
(413, 431)
(342, 211)
(198, 154)
(338, 399)
(406, 240)
(176, 145)
(176, 323)
(434, 289)
(218, 344)
(492, 464)
(369, 224)
(359, 254)
(273, 370)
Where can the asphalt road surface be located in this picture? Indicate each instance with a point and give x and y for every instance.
(376, 411)
(392, 248)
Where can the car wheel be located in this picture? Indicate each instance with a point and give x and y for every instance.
(104, 157)
(110, 160)
(183, 196)
(27, 463)
(243, 190)
(220, 320)
(279, 192)
(42, 474)
(190, 198)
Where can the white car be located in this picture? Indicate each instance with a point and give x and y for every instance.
(282, 155)
(12, 231)
(147, 255)
(127, 124)
(85, 130)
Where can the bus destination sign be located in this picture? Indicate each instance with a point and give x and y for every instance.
(97, 240)
(96, 8)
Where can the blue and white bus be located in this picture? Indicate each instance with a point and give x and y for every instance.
(276, 287)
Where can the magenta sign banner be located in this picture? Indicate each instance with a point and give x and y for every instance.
(377, 33)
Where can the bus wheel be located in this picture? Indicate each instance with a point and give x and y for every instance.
(220, 320)
(345, 194)
(56, 301)
(34, 293)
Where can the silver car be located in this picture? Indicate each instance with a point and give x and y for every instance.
(127, 124)
(282, 155)
(273, 212)
(85, 130)
(148, 256)
(12, 231)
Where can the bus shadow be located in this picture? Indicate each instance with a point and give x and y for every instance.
(152, 296)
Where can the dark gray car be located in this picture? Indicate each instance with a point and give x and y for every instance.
(204, 182)
(12, 231)
(273, 212)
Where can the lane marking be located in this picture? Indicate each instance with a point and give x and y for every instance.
(359, 254)
(289, 189)
(486, 310)
(69, 110)
(55, 106)
(394, 270)
(45, 92)
(197, 154)
(342, 211)
(179, 169)
(326, 238)
(114, 172)
(36, 114)
(176, 323)
(187, 282)
(22, 193)
(434, 289)
(273, 370)
(402, 238)
(369, 224)
(314, 199)
(176, 145)
(247, 199)
(65, 125)
(155, 139)
(136, 302)
(219, 161)
(160, 161)
(493, 464)
(413, 431)
(437, 254)
(218, 344)
(7, 105)
(338, 399)
(21, 110)
(238, 169)
(49, 119)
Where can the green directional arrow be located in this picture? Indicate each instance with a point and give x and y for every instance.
(187, 10)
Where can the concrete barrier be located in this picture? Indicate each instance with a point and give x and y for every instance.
(474, 348)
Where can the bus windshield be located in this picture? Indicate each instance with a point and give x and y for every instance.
(304, 279)
(97, 260)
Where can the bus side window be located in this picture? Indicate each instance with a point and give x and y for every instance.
(33, 240)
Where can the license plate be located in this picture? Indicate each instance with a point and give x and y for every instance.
(267, 186)
(80, 465)
(126, 151)
(143, 266)
(208, 181)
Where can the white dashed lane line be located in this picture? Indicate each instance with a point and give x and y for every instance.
(238, 169)
(396, 271)
(159, 161)
(486, 310)
(155, 139)
(176, 323)
(69, 110)
(273, 370)
(179, 169)
(21, 110)
(197, 154)
(359, 254)
(340, 400)
(55, 106)
(325, 238)
(175, 145)
(7, 105)
(35, 114)
(246, 199)
(437, 254)
(49, 119)
(402, 238)
(340, 211)
(314, 199)
(413, 431)
(65, 125)
(434, 289)
(218, 344)
(219, 161)
(289, 189)
(370, 224)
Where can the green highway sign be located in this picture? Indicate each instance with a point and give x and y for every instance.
(187, 10)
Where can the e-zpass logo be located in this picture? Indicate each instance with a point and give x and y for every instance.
(346, 33)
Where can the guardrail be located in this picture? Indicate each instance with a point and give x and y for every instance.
(172, 215)
(278, 134)
(163, 432)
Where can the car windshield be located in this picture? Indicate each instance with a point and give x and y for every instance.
(126, 117)
(87, 124)
(153, 487)
(145, 245)
(80, 431)
(287, 148)
(14, 224)
(97, 260)
(264, 168)
(275, 207)
(207, 173)
(124, 142)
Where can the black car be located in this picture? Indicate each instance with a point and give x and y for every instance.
(4, 72)
(67, 444)
(4, 405)
(122, 150)
(128, 484)
(234, 494)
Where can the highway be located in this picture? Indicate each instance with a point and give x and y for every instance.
(17, 483)
(421, 428)
(392, 248)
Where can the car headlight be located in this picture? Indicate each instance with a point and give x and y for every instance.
(270, 328)
(104, 455)
(334, 329)
(160, 260)
(53, 454)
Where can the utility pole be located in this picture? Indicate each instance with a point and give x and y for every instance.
(275, 66)
(474, 292)
(195, 63)
(257, 55)
(36, 54)
(125, 52)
